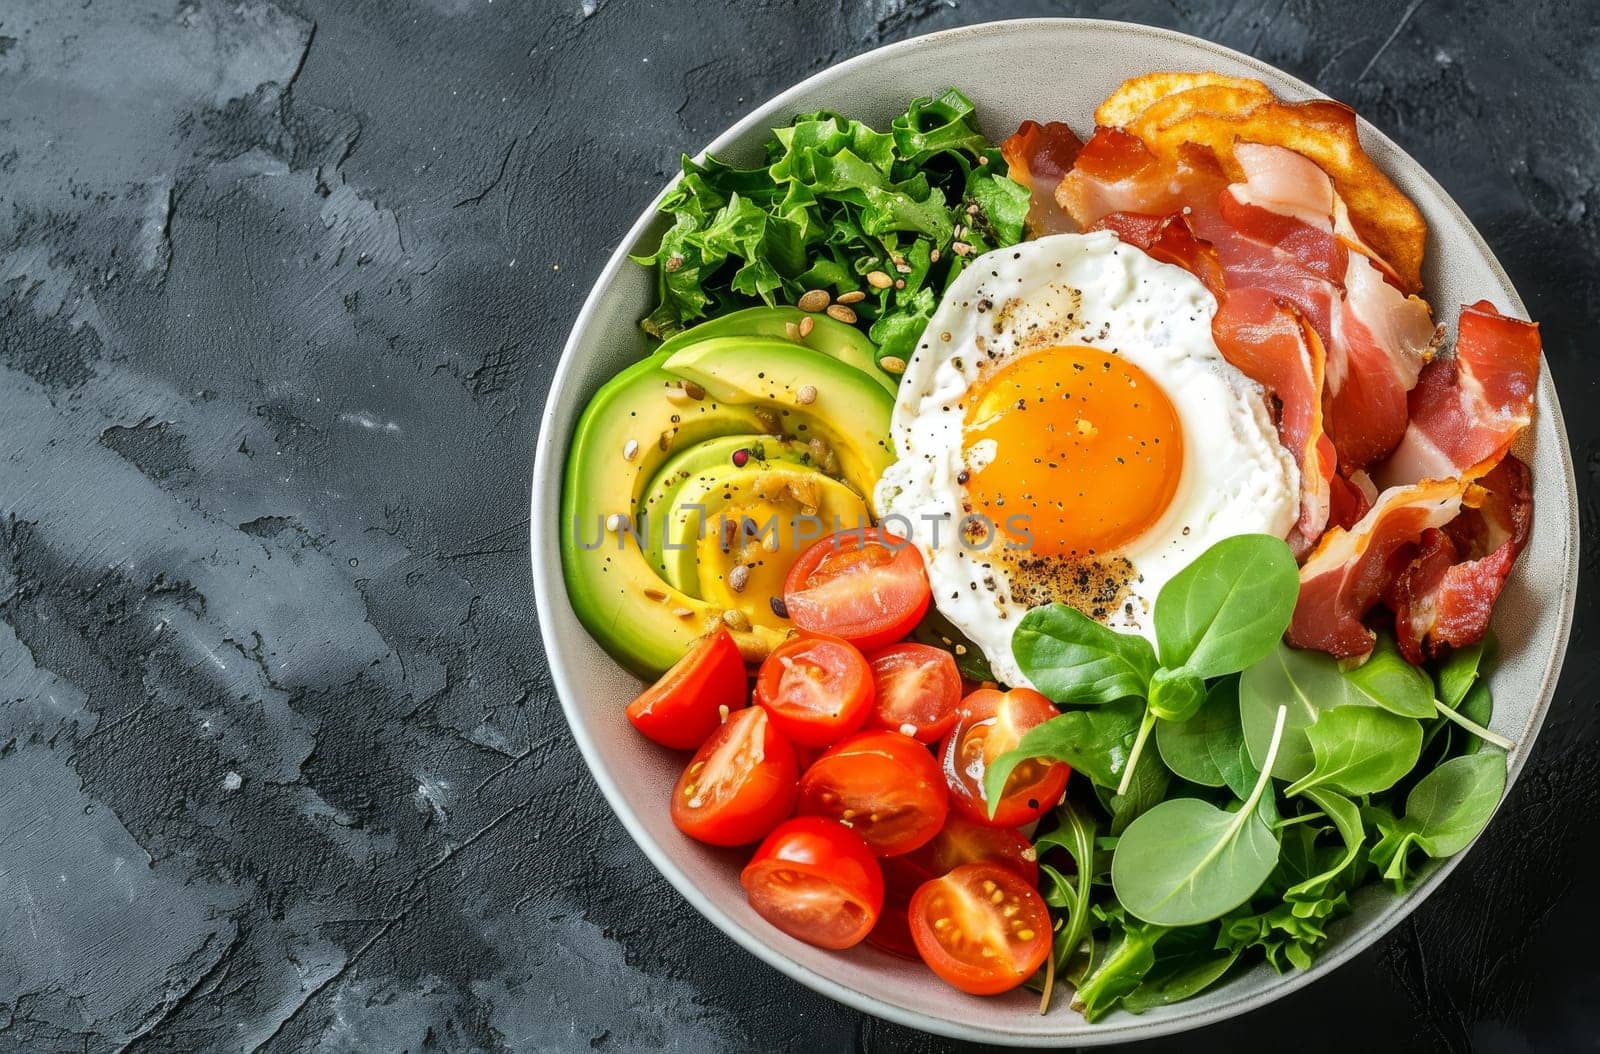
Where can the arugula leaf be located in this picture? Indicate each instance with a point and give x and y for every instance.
(1075, 834)
(1205, 748)
(1346, 817)
(1118, 968)
(1445, 811)
(1094, 742)
(1071, 658)
(1360, 750)
(1187, 961)
(1186, 861)
(1229, 607)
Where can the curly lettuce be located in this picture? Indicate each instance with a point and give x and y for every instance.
(834, 201)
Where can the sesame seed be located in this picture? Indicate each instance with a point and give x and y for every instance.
(630, 450)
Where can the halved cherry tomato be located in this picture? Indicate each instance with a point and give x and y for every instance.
(684, 707)
(884, 786)
(991, 723)
(916, 690)
(817, 689)
(815, 881)
(963, 841)
(740, 785)
(866, 586)
(981, 928)
(902, 876)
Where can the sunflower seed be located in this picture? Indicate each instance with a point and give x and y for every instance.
(855, 296)
(841, 313)
(806, 395)
(892, 364)
(807, 324)
(878, 280)
(813, 300)
(738, 578)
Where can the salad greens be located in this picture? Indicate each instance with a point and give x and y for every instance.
(832, 201)
(1279, 781)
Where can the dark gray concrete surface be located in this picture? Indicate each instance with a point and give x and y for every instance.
(281, 287)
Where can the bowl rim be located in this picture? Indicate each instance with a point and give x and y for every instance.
(549, 465)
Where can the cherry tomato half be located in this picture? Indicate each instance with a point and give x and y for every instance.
(981, 928)
(884, 786)
(740, 784)
(991, 723)
(963, 841)
(916, 690)
(816, 881)
(817, 689)
(866, 586)
(902, 876)
(684, 707)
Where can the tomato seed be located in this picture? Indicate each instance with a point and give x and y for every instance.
(1024, 935)
(997, 896)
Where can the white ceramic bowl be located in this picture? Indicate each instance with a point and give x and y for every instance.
(1042, 69)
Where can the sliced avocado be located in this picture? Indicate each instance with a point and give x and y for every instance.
(698, 463)
(776, 515)
(769, 513)
(809, 394)
(833, 338)
(641, 620)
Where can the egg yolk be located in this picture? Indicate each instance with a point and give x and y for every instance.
(1070, 451)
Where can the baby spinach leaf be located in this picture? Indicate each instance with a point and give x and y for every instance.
(1360, 750)
(1229, 607)
(1346, 818)
(1392, 683)
(1094, 742)
(1175, 695)
(1445, 811)
(1185, 861)
(1309, 683)
(1147, 789)
(1071, 658)
(1206, 747)
(1187, 961)
(1478, 707)
(1459, 672)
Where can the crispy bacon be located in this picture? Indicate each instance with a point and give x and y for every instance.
(1468, 408)
(1038, 156)
(1274, 346)
(1350, 571)
(1444, 597)
(1116, 172)
(1168, 239)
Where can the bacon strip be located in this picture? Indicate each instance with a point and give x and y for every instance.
(1274, 346)
(1168, 239)
(1467, 409)
(1350, 571)
(1444, 597)
(1038, 156)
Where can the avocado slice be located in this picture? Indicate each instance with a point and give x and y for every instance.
(787, 507)
(698, 464)
(641, 620)
(846, 408)
(833, 338)
(663, 406)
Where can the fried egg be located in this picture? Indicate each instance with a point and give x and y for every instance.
(1067, 430)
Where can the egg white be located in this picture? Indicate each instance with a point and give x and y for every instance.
(1093, 290)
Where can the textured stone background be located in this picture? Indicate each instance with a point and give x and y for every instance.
(281, 286)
